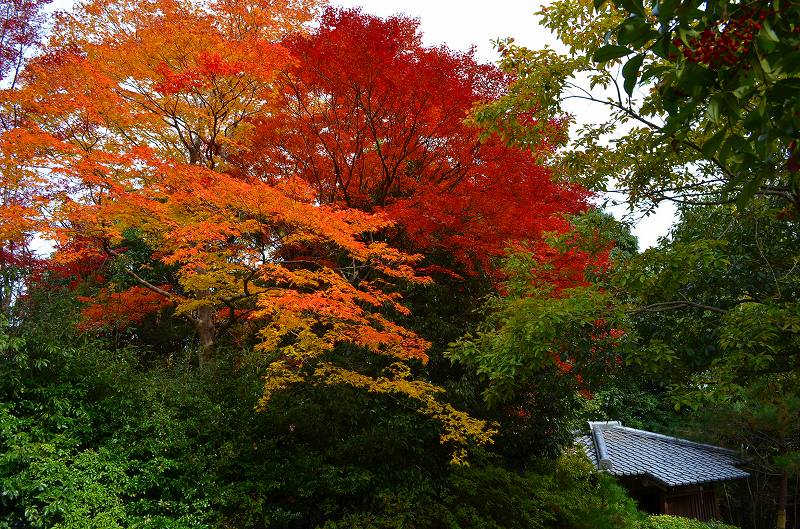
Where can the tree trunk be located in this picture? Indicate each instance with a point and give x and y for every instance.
(206, 332)
(5, 291)
(7, 271)
(783, 490)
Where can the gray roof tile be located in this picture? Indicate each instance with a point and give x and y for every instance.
(670, 460)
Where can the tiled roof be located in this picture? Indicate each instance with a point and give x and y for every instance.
(623, 451)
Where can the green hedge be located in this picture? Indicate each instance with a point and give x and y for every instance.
(677, 522)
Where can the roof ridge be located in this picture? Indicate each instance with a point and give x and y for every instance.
(603, 459)
(676, 440)
(603, 424)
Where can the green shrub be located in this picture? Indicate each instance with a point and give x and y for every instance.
(71, 431)
(566, 493)
(661, 521)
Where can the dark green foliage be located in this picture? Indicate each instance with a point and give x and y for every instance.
(638, 404)
(561, 494)
(676, 522)
(739, 269)
(81, 450)
(90, 439)
(181, 448)
(765, 421)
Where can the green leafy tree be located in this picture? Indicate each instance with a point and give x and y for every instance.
(555, 333)
(727, 75)
(700, 98)
(765, 421)
(717, 315)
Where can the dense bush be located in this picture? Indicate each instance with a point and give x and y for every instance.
(91, 439)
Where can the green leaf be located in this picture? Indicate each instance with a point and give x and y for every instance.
(630, 72)
(711, 146)
(610, 52)
(652, 71)
(790, 63)
(755, 119)
(714, 106)
(679, 119)
(598, 4)
(695, 80)
(783, 90)
(665, 10)
(686, 35)
(661, 47)
(768, 33)
(725, 150)
(741, 146)
(636, 32)
(634, 6)
(765, 66)
(766, 45)
(743, 91)
(748, 192)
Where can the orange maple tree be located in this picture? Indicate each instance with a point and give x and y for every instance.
(133, 115)
(128, 101)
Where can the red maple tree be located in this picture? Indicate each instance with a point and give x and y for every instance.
(374, 120)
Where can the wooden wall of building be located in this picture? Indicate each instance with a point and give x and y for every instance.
(691, 502)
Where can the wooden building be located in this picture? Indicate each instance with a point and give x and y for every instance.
(665, 475)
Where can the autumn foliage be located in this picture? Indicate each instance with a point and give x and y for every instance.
(373, 120)
(21, 26)
(218, 163)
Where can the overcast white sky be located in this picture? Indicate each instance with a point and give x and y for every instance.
(463, 23)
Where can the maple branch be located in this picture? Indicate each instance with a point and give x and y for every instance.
(147, 284)
(232, 319)
(370, 119)
(246, 290)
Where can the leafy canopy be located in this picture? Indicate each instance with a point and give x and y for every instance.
(135, 114)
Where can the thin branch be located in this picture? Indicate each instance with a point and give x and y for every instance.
(147, 284)
(653, 126)
(674, 305)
